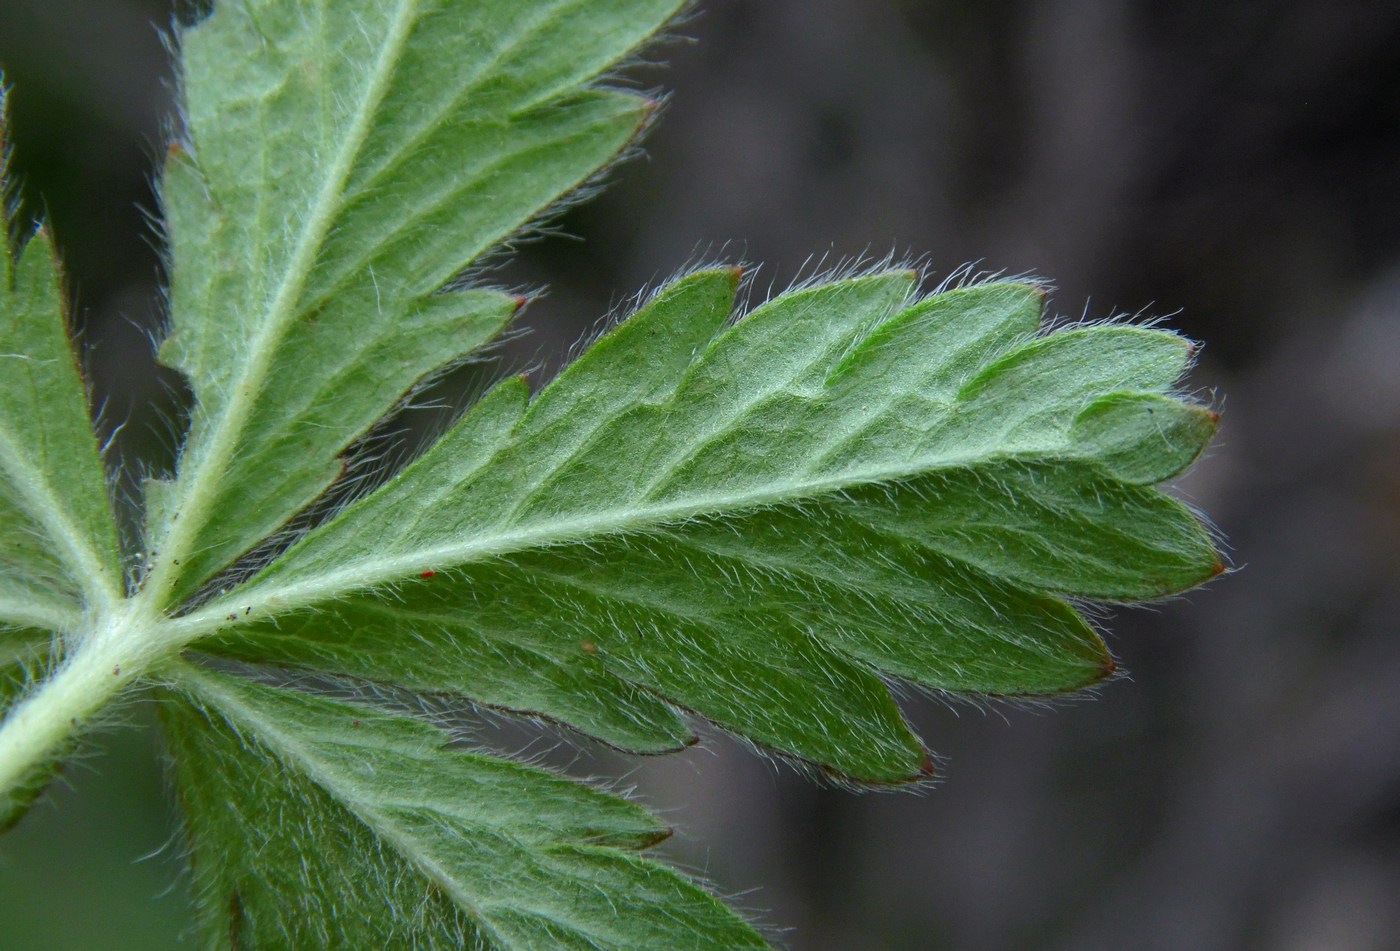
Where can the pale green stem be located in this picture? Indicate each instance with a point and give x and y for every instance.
(103, 663)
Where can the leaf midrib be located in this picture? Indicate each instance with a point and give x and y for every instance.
(433, 120)
(206, 477)
(271, 598)
(88, 570)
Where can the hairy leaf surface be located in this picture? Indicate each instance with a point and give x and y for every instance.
(58, 544)
(319, 824)
(343, 162)
(759, 522)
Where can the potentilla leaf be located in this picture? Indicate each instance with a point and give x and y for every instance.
(58, 548)
(316, 823)
(759, 522)
(342, 162)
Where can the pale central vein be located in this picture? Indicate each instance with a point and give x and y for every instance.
(204, 478)
(47, 507)
(345, 790)
(279, 597)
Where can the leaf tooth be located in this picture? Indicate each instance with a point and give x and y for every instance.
(643, 357)
(1081, 362)
(1142, 438)
(936, 344)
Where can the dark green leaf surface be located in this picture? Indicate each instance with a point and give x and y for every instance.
(758, 523)
(344, 161)
(314, 823)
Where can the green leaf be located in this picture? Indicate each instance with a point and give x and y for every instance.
(58, 544)
(343, 163)
(759, 522)
(314, 823)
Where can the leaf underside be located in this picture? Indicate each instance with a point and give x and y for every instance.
(416, 844)
(58, 545)
(759, 521)
(343, 163)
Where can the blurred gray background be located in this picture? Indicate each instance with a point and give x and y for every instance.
(1233, 166)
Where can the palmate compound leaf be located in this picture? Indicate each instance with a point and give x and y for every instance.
(343, 161)
(317, 824)
(759, 522)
